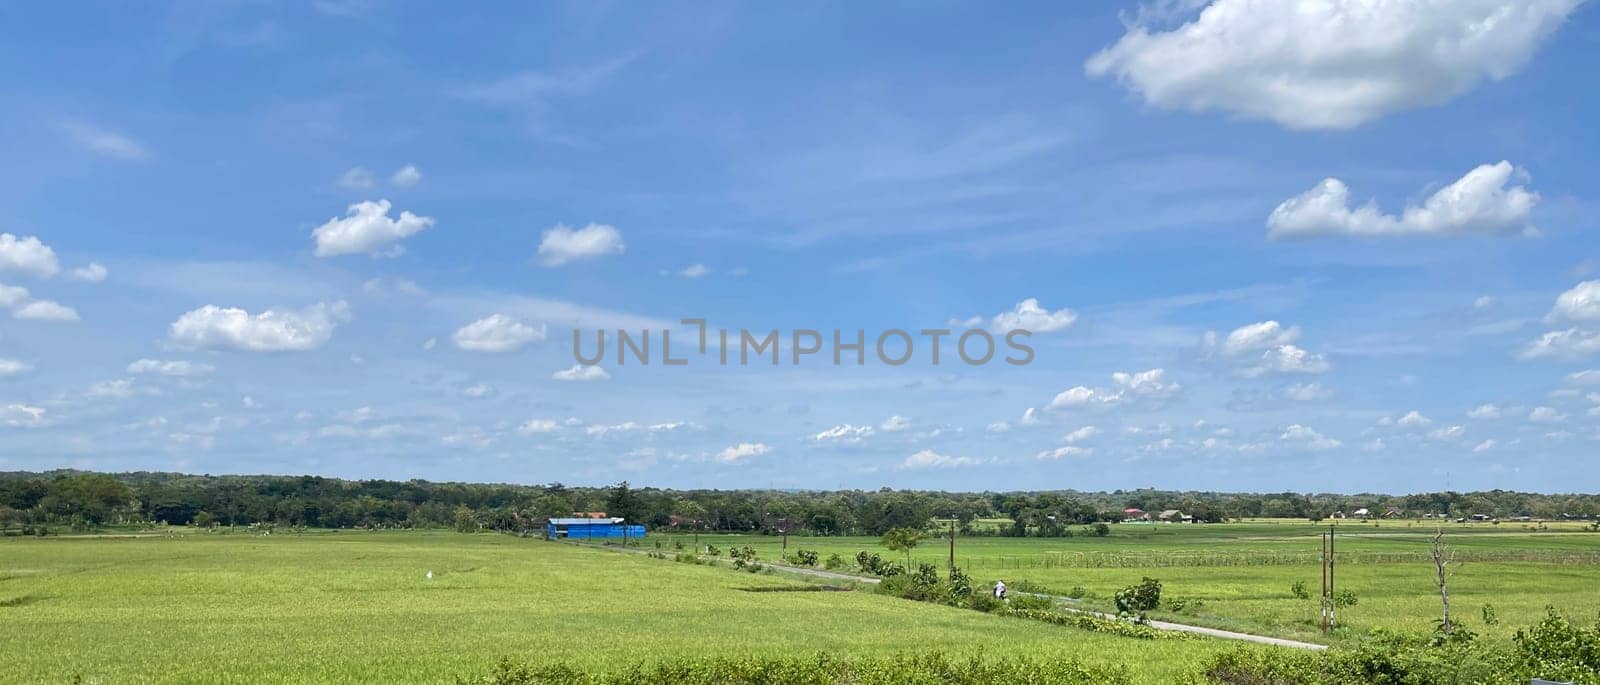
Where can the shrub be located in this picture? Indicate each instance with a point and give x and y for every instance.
(712, 550)
(1299, 590)
(1346, 598)
(869, 563)
(890, 569)
(1026, 602)
(985, 602)
(805, 557)
(834, 562)
(960, 583)
(1078, 592)
(1139, 598)
(1490, 617)
(821, 669)
(1099, 530)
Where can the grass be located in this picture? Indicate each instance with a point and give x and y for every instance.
(1242, 573)
(356, 606)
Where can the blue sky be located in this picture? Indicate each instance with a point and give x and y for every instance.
(1270, 246)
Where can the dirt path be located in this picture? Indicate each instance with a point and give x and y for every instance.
(1161, 625)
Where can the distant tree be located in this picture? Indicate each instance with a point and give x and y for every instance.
(466, 521)
(204, 519)
(902, 540)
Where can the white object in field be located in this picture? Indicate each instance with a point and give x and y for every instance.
(430, 575)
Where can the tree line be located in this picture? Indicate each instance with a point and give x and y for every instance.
(86, 500)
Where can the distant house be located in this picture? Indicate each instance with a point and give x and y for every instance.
(1392, 512)
(1134, 514)
(583, 527)
(589, 515)
(1336, 515)
(1361, 513)
(1171, 516)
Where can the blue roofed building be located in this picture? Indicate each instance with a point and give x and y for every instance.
(590, 528)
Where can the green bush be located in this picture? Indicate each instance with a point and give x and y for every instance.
(805, 557)
(834, 562)
(985, 602)
(819, 670)
(1299, 590)
(1026, 602)
(1139, 598)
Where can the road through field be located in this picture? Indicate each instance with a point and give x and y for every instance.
(1162, 625)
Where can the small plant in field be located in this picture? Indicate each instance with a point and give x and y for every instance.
(677, 545)
(1299, 590)
(1022, 602)
(1077, 592)
(869, 562)
(902, 540)
(1139, 598)
(960, 583)
(1100, 530)
(805, 557)
(927, 575)
(890, 569)
(1346, 598)
(1490, 617)
(712, 550)
(834, 562)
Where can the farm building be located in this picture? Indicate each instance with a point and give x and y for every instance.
(586, 528)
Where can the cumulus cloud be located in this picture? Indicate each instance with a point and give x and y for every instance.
(406, 176)
(895, 424)
(742, 452)
(1584, 377)
(27, 255)
(1571, 343)
(1447, 432)
(563, 245)
(1080, 434)
(1327, 65)
(21, 415)
(1546, 415)
(929, 459)
(1148, 386)
(14, 367)
(579, 372)
(357, 178)
(539, 426)
(844, 432)
(1413, 419)
(274, 330)
(367, 228)
(1308, 437)
(694, 271)
(45, 310)
(1485, 446)
(176, 367)
(1029, 316)
(478, 390)
(1484, 412)
(1265, 348)
(1064, 452)
(1580, 303)
(93, 273)
(497, 333)
(1306, 392)
(1478, 203)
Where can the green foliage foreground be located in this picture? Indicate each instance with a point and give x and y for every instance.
(821, 670)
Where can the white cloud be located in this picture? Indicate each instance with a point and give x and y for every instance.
(1484, 412)
(93, 273)
(1306, 392)
(13, 367)
(1580, 303)
(539, 426)
(579, 372)
(1447, 433)
(1585, 377)
(478, 390)
(27, 255)
(1566, 344)
(121, 387)
(357, 178)
(175, 367)
(1485, 446)
(1150, 385)
(1484, 302)
(844, 432)
(602, 430)
(12, 296)
(1080, 434)
(1477, 203)
(694, 271)
(274, 330)
(1413, 419)
(1029, 316)
(497, 333)
(1327, 65)
(45, 310)
(998, 427)
(929, 459)
(1308, 437)
(366, 227)
(742, 452)
(106, 143)
(895, 424)
(1546, 415)
(562, 245)
(1264, 348)
(406, 176)
(1030, 418)
(21, 415)
(1065, 451)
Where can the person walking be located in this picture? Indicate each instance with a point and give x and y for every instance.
(1000, 589)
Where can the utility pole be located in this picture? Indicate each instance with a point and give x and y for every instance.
(952, 544)
(1329, 620)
